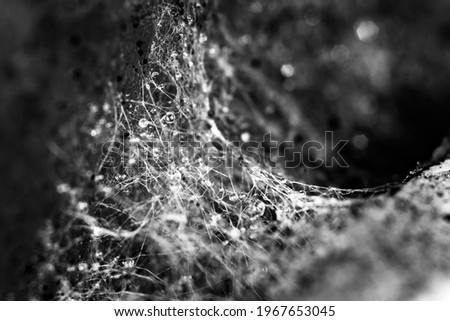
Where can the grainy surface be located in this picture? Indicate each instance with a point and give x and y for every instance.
(388, 247)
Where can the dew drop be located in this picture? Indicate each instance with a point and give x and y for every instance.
(367, 30)
(360, 142)
(128, 264)
(82, 267)
(63, 188)
(245, 136)
(287, 70)
(143, 123)
(234, 234)
(169, 118)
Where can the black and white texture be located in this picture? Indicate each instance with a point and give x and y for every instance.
(212, 150)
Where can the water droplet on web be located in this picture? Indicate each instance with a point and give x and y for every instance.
(213, 52)
(367, 30)
(245, 136)
(143, 123)
(260, 207)
(203, 38)
(287, 70)
(147, 136)
(360, 142)
(93, 108)
(234, 234)
(169, 118)
(106, 107)
(97, 232)
(156, 153)
(128, 264)
(135, 140)
(82, 206)
(82, 267)
(63, 188)
(244, 40)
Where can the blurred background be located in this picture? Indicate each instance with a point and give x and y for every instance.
(375, 72)
(55, 57)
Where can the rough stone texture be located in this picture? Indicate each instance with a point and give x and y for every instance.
(386, 247)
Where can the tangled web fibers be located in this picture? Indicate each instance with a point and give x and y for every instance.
(163, 223)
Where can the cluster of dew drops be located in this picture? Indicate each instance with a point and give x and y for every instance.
(167, 119)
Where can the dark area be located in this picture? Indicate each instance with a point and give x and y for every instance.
(375, 73)
(54, 57)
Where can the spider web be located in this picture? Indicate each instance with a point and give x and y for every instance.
(162, 222)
